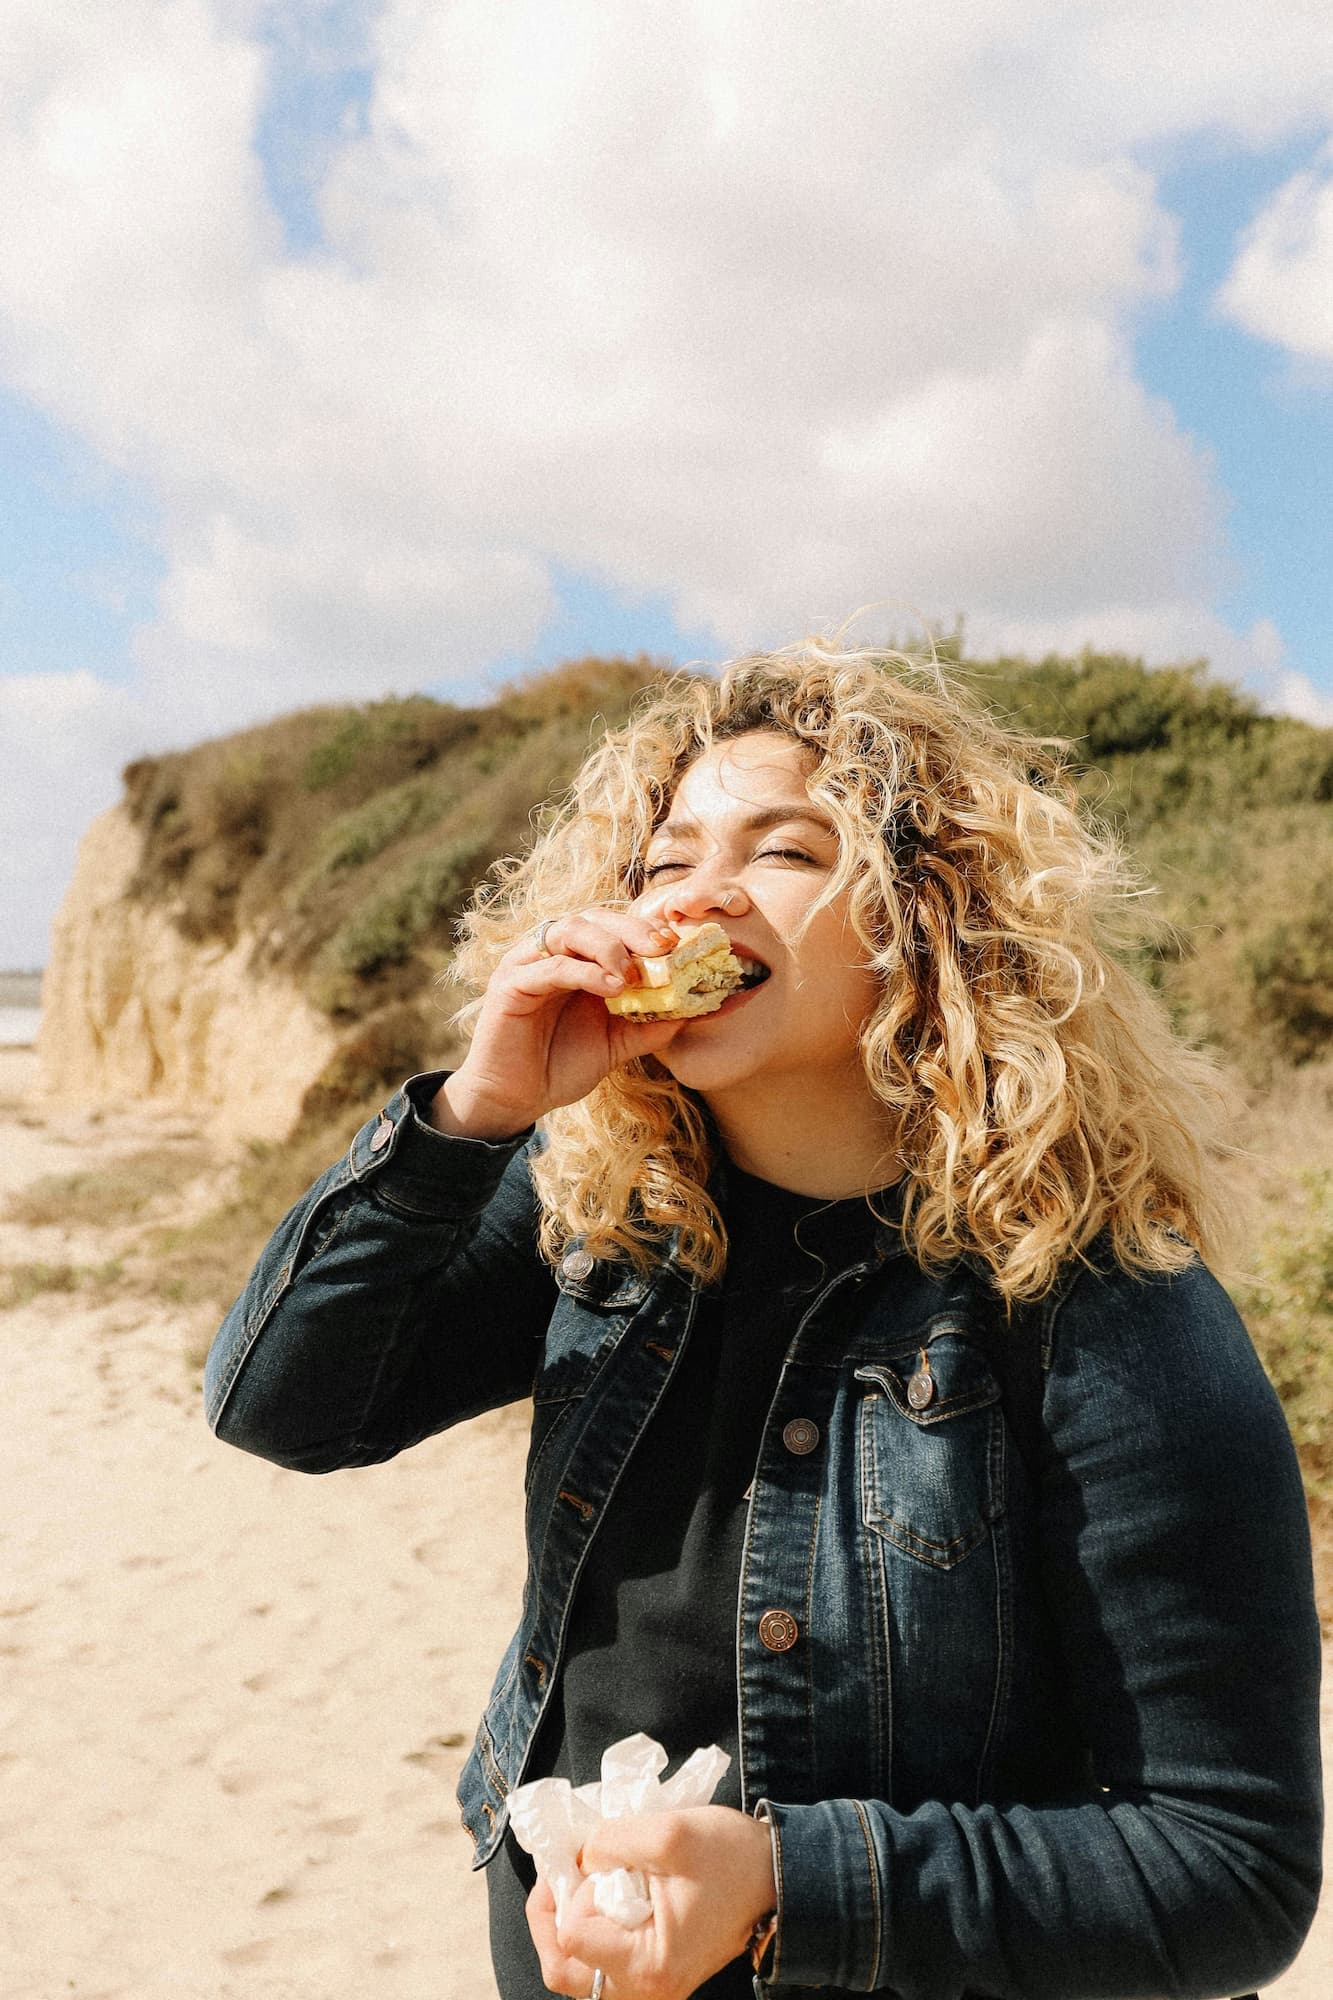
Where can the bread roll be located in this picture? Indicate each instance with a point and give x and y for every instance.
(693, 978)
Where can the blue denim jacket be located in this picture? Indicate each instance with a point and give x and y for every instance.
(1046, 1730)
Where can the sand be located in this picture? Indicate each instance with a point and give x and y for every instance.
(236, 1700)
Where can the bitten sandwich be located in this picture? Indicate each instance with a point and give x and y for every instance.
(695, 977)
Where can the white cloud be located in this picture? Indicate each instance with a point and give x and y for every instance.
(766, 309)
(659, 297)
(1281, 285)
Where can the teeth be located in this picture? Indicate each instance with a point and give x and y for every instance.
(754, 974)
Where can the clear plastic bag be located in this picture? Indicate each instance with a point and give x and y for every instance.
(551, 1819)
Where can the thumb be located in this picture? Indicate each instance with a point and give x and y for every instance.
(643, 1038)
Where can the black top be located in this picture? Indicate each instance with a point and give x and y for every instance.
(652, 1632)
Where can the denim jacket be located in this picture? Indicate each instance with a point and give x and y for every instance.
(1036, 1728)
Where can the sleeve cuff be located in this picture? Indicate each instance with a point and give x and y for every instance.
(832, 1923)
(422, 1171)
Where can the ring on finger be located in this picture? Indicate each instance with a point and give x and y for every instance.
(598, 1981)
(539, 938)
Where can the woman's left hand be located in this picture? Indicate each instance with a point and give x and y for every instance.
(710, 1878)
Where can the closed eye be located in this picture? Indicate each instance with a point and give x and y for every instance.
(779, 855)
(765, 854)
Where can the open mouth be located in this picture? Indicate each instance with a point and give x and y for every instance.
(754, 974)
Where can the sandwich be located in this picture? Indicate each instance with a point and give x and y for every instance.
(694, 977)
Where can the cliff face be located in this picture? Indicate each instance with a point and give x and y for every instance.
(131, 1010)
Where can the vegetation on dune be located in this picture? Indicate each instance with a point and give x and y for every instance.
(344, 842)
(21, 1283)
(104, 1197)
(1289, 1309)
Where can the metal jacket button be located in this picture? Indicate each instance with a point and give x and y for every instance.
(800, 1435)
(576, 1264)
(778, 1631)
(921, 1384)
(381, 1136)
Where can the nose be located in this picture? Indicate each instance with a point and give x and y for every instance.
(704, 893)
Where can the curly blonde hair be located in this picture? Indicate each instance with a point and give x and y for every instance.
(1038, 1094)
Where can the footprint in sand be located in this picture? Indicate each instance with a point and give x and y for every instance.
(248, 1954)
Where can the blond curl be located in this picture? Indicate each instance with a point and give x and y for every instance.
(1038, 1094)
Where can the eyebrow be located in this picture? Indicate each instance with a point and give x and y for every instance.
(755, 822)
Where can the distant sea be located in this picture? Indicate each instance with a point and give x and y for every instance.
(20, 1008)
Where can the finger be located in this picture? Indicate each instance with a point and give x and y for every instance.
(541, 978)
(541, 1901)
(610, 937)
(562, 1972)
(631, 1037)
(650, 1842)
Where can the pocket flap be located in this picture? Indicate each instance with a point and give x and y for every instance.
(961, 1376)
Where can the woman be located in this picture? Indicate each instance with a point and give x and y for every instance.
(888, 1428)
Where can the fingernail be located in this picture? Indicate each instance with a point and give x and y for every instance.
(612, 979)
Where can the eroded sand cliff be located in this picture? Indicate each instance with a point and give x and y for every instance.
(132, 1011)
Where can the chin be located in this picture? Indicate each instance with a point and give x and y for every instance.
(705, 1069)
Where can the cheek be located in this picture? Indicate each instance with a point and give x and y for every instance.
(861, 995)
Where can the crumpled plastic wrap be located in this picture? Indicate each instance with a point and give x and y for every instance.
(551, 1819)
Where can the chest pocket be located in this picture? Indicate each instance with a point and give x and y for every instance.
(594, 1303)
(931, 1449)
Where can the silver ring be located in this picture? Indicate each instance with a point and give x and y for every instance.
(725, 900)
(598, 1982)
(539, 938)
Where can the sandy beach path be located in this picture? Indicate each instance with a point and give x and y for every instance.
(235, 1700)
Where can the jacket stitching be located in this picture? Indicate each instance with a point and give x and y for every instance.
(808, 1609)
(873, 1871)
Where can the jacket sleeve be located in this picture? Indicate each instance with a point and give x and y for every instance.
(1176, 1563)
(403, 1293)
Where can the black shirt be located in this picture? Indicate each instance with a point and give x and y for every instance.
(651, 1642)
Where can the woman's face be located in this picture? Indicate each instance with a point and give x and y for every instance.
(743, 845)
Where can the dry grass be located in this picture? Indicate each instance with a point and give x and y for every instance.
(20, 1284)
(106, 1197)
(206, 1261)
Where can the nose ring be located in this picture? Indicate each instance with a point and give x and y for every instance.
(725, 898)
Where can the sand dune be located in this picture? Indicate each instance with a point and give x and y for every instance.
(236, 1700)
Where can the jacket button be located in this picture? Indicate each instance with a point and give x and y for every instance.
(778, 1631)
(576, 1265)
(921, 1388)
(800, 1436)
(381, 1136)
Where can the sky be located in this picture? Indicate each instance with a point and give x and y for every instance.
(349, 347)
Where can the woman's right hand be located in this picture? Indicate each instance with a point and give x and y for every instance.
(544, 1036)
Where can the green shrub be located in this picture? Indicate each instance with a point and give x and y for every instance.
(1290, 967)
(356, 837)
(416, 901)
(373, 1061)
(337, 755)
(383, 741)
